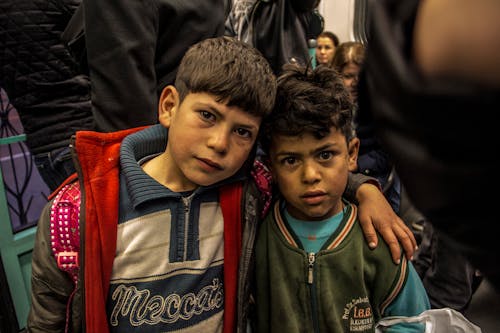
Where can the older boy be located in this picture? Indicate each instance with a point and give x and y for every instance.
(315, 272)
(169, 217)
(154, 224)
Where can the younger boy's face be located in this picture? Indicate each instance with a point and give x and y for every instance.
(312, 174)
(207, 140)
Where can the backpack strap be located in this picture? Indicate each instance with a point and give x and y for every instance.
(230, 201)
(231, 205)
(263, 178)
(65, 229)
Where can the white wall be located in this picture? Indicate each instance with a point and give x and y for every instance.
(338, 15)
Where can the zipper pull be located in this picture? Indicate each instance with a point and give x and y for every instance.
(312, 259)
(186, 203)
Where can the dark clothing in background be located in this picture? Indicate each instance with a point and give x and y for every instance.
(441, 134)
(279, 29)
(42, 79)
(374, 161)
(134, 49)
(448, 277)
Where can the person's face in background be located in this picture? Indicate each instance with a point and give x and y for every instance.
(325, 50)
(350, 75)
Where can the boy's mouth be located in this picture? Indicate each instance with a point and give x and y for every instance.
(313, 197)
(211, 164)
(313, 193)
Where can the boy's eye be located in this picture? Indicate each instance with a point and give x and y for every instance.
(289, 160)
(325, 155)
(207, 115)
(243, 132)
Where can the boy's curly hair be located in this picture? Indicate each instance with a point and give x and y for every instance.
(233, 71)
(309, 101)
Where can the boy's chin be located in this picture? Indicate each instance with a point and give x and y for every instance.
(207, 181)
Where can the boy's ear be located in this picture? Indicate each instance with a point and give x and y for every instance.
(353, 148)
(168, 105)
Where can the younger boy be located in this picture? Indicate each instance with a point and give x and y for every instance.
(168, 218)
(315, 272)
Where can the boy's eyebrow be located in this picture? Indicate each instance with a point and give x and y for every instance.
(326, 146)
(249, 127)
(287, 153)
(207, 105)
(216, 111)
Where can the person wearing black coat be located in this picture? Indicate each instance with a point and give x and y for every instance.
(134, 49)
(43, 81)
(432, 85)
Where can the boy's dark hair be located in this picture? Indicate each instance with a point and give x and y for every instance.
(233, 71)
(309, 101)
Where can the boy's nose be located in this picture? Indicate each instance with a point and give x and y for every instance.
(310, 173)
(219, 141)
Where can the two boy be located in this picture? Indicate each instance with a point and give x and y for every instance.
(169, 214)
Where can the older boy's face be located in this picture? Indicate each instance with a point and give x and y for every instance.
(207, 141)
(311, 173)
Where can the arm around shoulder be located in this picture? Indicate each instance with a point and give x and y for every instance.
(376, 214)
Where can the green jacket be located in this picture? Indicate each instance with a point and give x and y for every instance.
(345, 287)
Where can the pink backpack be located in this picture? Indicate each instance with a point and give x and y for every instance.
(65, 229)
(65, 235)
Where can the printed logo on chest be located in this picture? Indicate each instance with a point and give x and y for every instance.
(358, 315)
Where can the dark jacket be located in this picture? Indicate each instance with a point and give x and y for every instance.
(134, 48)
(442, 135)
(344, 287)
(39, 74)
(280, 29)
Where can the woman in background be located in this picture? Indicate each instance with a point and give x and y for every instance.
(327, 43)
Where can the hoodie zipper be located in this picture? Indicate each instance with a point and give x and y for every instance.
(187, 203)
(311, 257)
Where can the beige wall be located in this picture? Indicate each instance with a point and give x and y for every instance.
(338, 16)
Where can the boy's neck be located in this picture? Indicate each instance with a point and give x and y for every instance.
(338, 209)
(160, 169)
